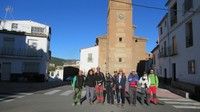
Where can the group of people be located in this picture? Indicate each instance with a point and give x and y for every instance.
(115, 87)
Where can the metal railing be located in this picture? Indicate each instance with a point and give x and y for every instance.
(21, 52)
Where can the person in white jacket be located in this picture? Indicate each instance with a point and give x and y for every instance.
(144, 84)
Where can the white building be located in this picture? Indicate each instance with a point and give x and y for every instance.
(24, 50)
(56, 75)
(179, 43)
(89, 58)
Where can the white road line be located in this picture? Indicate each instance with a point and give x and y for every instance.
(2, 99)
(183, 103)
(186, 107)
(83, 93)
(52, 92)
(6, 101)
(12, 96)
(67, 93)
(20, 96)
(28, 94)
(165, 99)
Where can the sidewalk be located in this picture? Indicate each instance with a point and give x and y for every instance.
(164, 93)
(20, 87)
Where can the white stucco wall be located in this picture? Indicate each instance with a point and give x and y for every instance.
(23, 25)
(84, 64)
(22, 42)
(184, 54)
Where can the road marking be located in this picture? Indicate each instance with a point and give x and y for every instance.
(20, 96)
(166, 99)
(12, 96)
(183, 103)
(10, 100)
(52, 92)
(27, 94)
(83, 93)
(2, 99)
(67, 93)
(186, 107)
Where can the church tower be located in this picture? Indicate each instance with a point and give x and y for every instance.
(120, 48)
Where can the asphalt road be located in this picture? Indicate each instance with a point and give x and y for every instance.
(60, 100)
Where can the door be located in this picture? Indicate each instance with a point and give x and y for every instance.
(174, 71)
(6, 70)
(165, 75)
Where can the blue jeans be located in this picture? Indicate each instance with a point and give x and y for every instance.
(90, 91)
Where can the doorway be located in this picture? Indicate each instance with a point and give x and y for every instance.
(6, 71)
(174, 71)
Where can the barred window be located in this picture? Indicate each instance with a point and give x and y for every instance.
(14, 25)
(191, 67)
(90, 59)
(189, 34)
(173, 14)
(188, 4)
(37, 30)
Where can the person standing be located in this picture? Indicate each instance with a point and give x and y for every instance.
(144, 84)
(153, 79)
(115, 76)
(133, 80)
(77, 85)
(109, 85)
(90, 86)
(100, 79)
(120, 87)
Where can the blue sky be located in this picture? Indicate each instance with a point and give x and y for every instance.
(76, 23)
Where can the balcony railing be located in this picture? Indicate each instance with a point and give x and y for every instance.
(170, 51)
(21, 52)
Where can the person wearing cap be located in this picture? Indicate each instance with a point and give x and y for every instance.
(153, 79)
(120, 87)
(144, 84)
(133, 79)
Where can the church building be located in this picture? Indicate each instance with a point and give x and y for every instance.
(120, 48)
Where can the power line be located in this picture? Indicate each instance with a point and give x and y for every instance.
(151, 7)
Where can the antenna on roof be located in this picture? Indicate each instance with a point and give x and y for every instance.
(8, 10)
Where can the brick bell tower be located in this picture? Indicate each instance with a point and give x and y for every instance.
(119, 49)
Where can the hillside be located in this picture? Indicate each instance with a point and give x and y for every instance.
(57, 61)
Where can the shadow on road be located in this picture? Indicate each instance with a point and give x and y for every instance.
(12, 89)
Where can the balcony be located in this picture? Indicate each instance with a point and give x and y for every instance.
(21, 52)
(172, 51)
(169, 52)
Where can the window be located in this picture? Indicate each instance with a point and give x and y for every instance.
(165, 48)
(14, 25)
(161, 30)
(32, 43)
(31, 67)
(173, 14)
(165, 23)
(37, 30)
(120, 59)
(174, 46)
(154, 59)
(90, 60)
(120, 39)
(191, 67)
(189, 34)
(188, 4)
